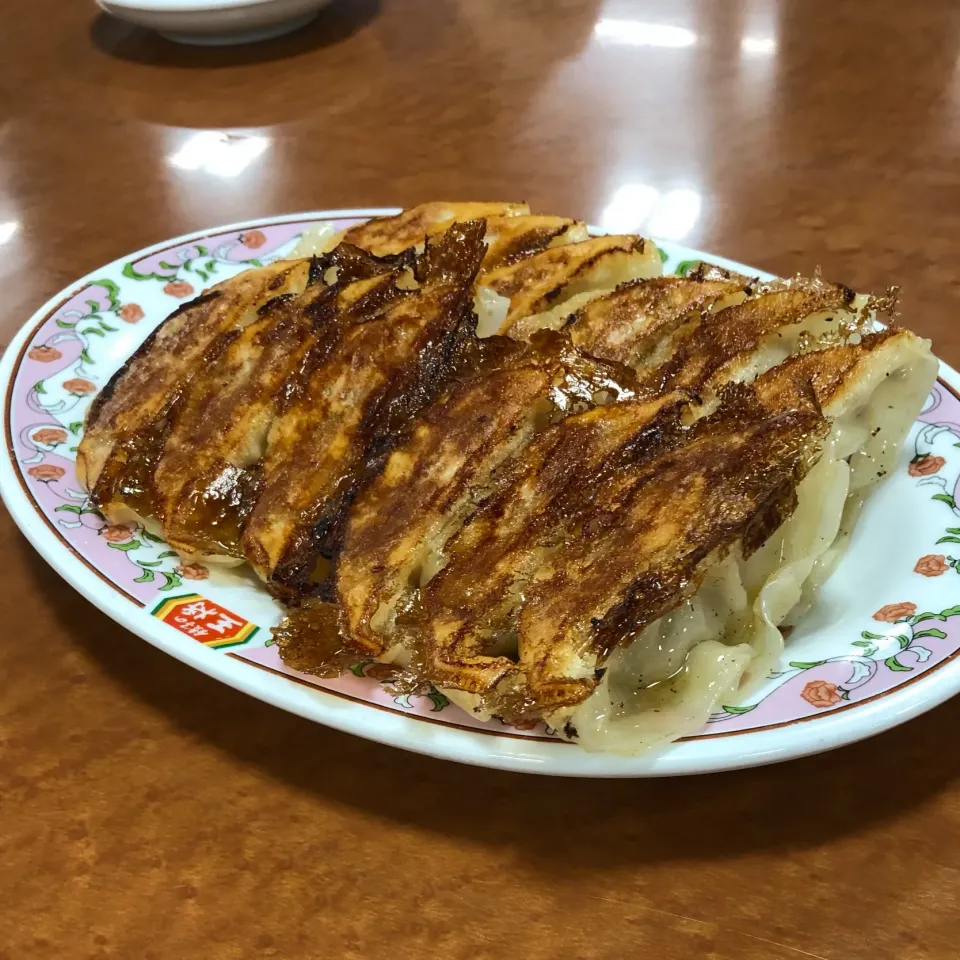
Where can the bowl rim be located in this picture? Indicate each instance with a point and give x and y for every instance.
(201, 6)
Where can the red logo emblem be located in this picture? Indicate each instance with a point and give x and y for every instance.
(204, 620)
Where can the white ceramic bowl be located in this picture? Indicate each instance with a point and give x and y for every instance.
(216, 22)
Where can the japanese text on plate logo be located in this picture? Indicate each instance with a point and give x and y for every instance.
(205, 621)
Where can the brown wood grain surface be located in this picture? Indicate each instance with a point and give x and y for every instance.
(149, 813)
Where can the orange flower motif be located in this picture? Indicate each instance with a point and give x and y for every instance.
(117, 533)
(893, 612)
(44, 354)
(50, 435)
(46, 472)
(253, 239)
(130, 312)
(178, 288)
(932, 565)
(79, 386)
(193, 571)
(924, 466)
(381, 671)
(821, 693)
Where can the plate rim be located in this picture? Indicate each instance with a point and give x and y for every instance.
(491, 748)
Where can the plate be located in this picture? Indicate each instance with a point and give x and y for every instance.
(216, 22)
(879, 647)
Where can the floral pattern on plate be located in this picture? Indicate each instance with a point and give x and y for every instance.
(77, 346)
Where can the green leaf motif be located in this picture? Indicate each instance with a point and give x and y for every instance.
(131, 273)
(806, 665)
(149, 563)
(66, 324)
(738, 710)
(945, 497)
(949, 540)
(685, 266)
(94, 306)
(107, 327)
(255, 262)
(69, 508)
(38, 386)
(113, 291)
(869, 649)
(949, 612)
(84, 356)
(151, 537)
(927, 615)
(664, 256)
(126, 547)
(96, 331)
(172, 580)
(867, 635)
(169, 266)
(76, 426)
(167, 553)
(894, 664)
(931, 632)
(145, 577)
(358, 668)
(903, 641)
(438, 700)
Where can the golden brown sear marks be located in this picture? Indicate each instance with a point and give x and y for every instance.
(206, 482)
(729, 342)
(218, 430)
(513, 238)
(632, 322)
(704, 270)
(549, 279)
(616, 549)
(642, 551)
(470, 604)
(401, 522)
(388, 235)
(812, 380)
(498, 514)
(350, 408)
(127, 414)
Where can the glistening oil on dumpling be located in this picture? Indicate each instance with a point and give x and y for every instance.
(722, 642)
(603, 527)
(871, 391)
(562, 598)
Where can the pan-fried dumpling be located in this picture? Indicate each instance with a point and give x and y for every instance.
(412, 227)
(723, 641)
(871, 391)
(539, 292)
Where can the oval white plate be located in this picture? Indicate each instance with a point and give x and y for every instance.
(879, 647)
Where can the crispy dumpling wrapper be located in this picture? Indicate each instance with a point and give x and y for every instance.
(514, 460)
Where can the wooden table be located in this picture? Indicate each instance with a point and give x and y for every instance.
(148, 813)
